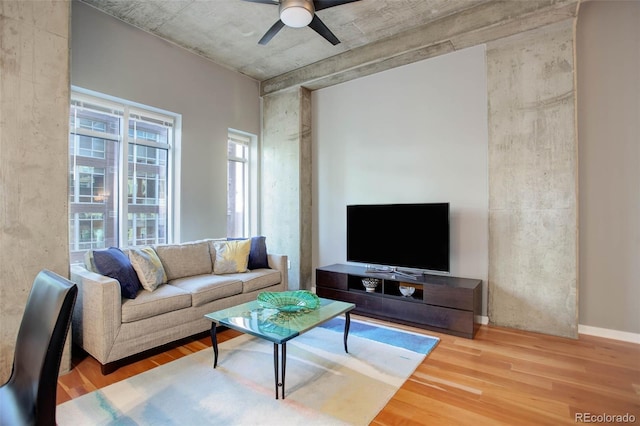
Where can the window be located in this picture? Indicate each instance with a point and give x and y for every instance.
(104, 135)
(238, 184)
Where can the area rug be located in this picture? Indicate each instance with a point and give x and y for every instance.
(324, 385)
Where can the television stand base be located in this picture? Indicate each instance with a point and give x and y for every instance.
(441, 303)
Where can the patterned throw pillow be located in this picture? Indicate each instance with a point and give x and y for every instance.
(231, 256)
(148, 266)
(113, 263)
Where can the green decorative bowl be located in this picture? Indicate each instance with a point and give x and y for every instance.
(289, 301)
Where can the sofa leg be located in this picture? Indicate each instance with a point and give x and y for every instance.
(109, 368)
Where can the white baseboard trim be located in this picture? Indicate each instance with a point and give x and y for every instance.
(624, 336)
(481, 319)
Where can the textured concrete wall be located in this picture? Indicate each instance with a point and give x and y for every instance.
(286, 180)
(532, 181)
(34, 117)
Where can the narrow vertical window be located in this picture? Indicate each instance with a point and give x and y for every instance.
(237, 184)
(94, 143)
(149, 139)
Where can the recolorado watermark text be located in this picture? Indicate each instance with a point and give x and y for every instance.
(604, 418)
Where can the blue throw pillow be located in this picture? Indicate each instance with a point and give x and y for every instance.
(258, 254)
(113, 263)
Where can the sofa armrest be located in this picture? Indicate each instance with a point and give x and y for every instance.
(280, 262)
(97, 313)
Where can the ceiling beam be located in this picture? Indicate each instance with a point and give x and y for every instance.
(480, 24)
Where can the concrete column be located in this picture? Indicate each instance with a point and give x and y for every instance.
(286, 180)
(533, 181)
(34, 152)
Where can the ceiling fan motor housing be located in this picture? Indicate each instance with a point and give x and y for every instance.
(296, 13)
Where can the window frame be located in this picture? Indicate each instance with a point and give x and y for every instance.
(250, 178)
(133, 111)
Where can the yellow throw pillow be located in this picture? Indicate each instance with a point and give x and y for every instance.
(231, 256)
(148, 267)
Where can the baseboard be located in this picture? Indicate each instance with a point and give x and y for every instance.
(481, 319)
(609, 334)
(623, 336)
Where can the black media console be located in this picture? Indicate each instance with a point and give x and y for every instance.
(439, 303)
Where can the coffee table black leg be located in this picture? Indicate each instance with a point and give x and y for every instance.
(279, 368)
(214, 342)
(347, 323)
(276, 373)
(284, 365)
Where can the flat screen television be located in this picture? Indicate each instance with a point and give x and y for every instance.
(399, 235)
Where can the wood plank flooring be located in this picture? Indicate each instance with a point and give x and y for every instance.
(503, 376)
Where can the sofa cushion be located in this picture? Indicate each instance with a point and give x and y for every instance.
(148, 266)
(113, 263)
(166, 298)
(258, 279)
(185, 260)
(206, 288)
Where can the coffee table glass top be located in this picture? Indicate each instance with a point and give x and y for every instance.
(276, 326)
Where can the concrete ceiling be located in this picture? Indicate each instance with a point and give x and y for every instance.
(227, 31)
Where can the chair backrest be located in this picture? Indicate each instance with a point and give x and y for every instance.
(38, 353)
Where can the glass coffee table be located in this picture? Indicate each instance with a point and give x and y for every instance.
(277, 327)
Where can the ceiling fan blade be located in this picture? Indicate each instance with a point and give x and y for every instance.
(273, 2)
(318, 26)
(271, 32)
(325, 4)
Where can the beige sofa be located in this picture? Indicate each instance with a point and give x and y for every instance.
(112, 328)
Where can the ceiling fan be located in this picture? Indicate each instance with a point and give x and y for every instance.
(301, 13)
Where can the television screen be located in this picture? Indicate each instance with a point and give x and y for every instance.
(400, 235)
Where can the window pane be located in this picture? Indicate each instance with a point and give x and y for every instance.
(91, 147)
(237, 188)
(147, 130)
(90, 182)
(93, 189)
(147, 189)
(97, 130)
(86, 118)
(146, 229)
(90, 230)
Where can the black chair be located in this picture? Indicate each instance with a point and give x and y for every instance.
(29, 396)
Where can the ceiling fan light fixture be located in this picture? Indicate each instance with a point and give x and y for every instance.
(296, 13)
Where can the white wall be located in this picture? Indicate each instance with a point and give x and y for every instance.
(412, 134)
(608, 55)
(117, 59)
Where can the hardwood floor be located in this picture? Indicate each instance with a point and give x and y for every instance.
(503, 376)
